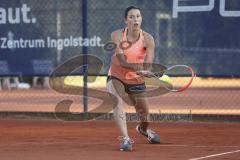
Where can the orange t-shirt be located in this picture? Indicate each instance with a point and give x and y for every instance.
(136, 53)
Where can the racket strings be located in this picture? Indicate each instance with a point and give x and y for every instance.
(179, 78)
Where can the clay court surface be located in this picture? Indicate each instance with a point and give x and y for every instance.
(45, 139)
(194, 100)
(61, 140)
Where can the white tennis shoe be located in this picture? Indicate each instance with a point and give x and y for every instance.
(126, 144)
(152, 136)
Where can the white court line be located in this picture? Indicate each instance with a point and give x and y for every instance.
(215, 155)
(172, 145)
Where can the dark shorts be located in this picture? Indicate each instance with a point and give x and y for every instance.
(130, 88)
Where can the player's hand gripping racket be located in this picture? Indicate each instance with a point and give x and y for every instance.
(176, 78)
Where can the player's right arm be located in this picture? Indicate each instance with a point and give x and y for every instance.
(116, 37)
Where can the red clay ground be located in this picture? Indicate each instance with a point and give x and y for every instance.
(97, 140)
(215, 100)
(59, 140)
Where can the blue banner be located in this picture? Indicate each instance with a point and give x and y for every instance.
(38, 36)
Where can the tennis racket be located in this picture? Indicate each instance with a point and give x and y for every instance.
(176, 78)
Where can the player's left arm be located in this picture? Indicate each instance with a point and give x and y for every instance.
(150, 50)
(149, 45)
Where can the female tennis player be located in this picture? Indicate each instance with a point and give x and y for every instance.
(134, 47)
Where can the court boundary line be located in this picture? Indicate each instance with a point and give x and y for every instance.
(215, 155)
(197, 146)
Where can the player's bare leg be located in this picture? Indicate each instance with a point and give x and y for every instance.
(116, 88)
(141, 106)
